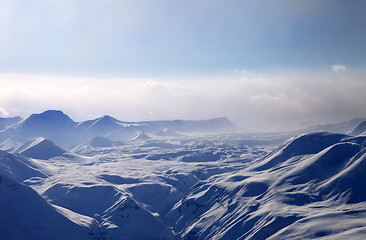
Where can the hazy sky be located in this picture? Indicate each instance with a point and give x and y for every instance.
(259, 63)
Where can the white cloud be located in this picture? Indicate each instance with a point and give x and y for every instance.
(339, 68)
(264, 102)
(3, 112)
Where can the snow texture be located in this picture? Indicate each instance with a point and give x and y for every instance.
(158, 180)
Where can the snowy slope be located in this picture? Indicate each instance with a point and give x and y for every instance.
(10, 144)
(297, 146)
(18, 168)
(296, 193)
(130, 219)
(26, 215)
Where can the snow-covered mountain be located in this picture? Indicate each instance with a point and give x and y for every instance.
(40, 148)
(162, 183)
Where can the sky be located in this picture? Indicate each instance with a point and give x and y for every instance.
(263, 64)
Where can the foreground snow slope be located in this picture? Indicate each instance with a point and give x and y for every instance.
(175, 186)
(26, 215)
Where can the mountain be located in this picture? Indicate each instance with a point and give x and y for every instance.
(8, 122)
(361, 128)
(342, 127)
(40, 148)
(99, 127)
(101, 142)
(51, 124)
(141, 136)
(46, 123)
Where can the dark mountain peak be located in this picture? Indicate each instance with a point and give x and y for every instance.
(222, 120)
(51, 115)
(101, 142)
(51, 124)
(106, 119)
(51, 111)
(219, 124)
(49, 118)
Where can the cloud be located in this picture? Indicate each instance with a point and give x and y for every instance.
(261, 102)
(3, 112)
(339, 68)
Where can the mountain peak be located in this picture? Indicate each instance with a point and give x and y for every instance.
(51, 124)
(53, 117)
(107, 117)
(51, 114)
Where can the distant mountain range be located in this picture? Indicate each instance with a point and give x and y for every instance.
(61, 129)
